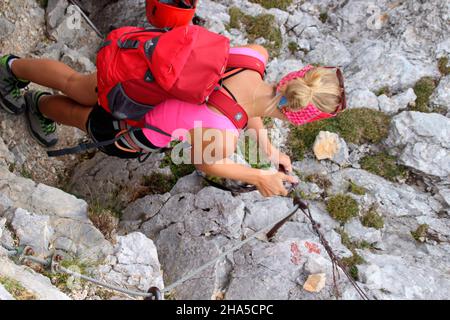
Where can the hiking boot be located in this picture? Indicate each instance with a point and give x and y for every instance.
(41, 128)
(11, 98)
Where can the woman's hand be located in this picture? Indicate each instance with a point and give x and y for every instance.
(281, 159)
(271, 184)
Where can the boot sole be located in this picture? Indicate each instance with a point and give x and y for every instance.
(8, 110)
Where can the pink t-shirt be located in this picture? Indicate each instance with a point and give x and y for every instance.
(178, 118)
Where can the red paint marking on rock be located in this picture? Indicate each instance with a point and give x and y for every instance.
(312, 247)
(295, 257)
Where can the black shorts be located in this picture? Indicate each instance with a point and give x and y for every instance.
(102, 126)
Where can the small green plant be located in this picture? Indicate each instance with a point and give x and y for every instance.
(323, 17)
(24, 172)
(261, 26)
(293, 47)
(356, 126)
(159, 183)
(384, 91)
(268, 4)
(321, 180)
(178, 170)
(372, 219)
(16, 289)
(352, 262)
(104, 219)
(352, 265)
(342, 208)
(355, 189)
(384, 166)
(420, 234)
(444, 66)
(423, 89)
(61, 280)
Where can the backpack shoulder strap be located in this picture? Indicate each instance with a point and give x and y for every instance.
(230, 108)
(240, 59)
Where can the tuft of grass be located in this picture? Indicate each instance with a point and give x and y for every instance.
(159, 183)
(356, 126)
(293, 47)
(323, 17)
(178, 170)
(279, 4)
(104, 219)
(321, 180)
(385, 90)
(420, 234)
(444, 66)
(355, 189)
(372, 219)
(423, 89)
(351, 263)
(24, 172)
(61, 280)
(342, 208)
(16, 289)
(384, 165)
(261, 26)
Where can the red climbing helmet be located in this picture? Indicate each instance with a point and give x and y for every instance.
(170, 13)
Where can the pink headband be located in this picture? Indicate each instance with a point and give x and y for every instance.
(309, 114)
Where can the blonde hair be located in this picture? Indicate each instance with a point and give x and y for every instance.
(320, 86)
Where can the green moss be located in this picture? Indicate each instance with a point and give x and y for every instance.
(342, 208)
(351, 263)
(178, 170)
(24, 172)
(268, 4)
(355, 189)
(159, 183)
(423, 89)
(384, 166)
(16, 289)
(385, 90)
(323, 17)
(356, 126)
(372, 219)
(444, 66)
(293, 47)
(61, 280)
(420, 233)
(321, 180)
(261, 26)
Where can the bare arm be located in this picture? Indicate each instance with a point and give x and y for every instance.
(268, 183)
(213, 149)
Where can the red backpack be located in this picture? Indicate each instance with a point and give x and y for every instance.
(139, 68)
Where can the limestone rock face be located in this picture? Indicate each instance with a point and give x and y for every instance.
(441, 97)
(383, 47)
(421, 142)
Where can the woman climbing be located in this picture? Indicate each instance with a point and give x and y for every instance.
(310, 94)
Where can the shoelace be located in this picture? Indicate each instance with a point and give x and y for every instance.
(48, 126)
(13, 88)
